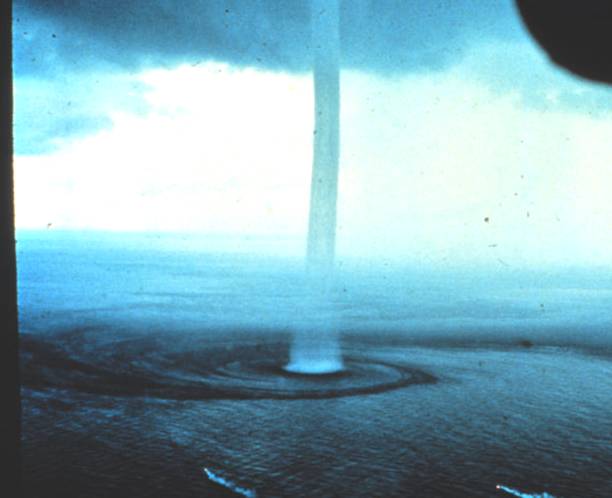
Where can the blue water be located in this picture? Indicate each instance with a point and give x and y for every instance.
(174, 283)
(522, 358)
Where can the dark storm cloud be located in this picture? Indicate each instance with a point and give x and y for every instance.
(382, 35)
(70, 106)
(76, 51)
(39, 139)
(59, 44)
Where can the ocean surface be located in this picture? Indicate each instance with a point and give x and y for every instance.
(148, 370)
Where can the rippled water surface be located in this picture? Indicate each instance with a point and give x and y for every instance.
(517, 392)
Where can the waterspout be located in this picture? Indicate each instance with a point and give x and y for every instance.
(315, 347)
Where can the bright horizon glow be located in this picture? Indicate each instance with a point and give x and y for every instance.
(425, 158)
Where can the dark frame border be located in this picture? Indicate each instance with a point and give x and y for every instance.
(11, 407)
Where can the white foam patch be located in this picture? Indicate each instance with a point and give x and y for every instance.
(249, 493)
(515, 492)
(315, 367)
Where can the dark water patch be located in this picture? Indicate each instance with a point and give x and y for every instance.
(532, 418)
(97, 469)
(491, 339)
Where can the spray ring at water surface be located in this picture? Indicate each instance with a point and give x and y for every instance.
(241, 370)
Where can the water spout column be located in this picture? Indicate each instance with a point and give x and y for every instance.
(315, 347)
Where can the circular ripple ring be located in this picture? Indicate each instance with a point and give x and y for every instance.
(243, 372)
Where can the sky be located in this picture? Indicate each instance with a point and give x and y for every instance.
(460, 141)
